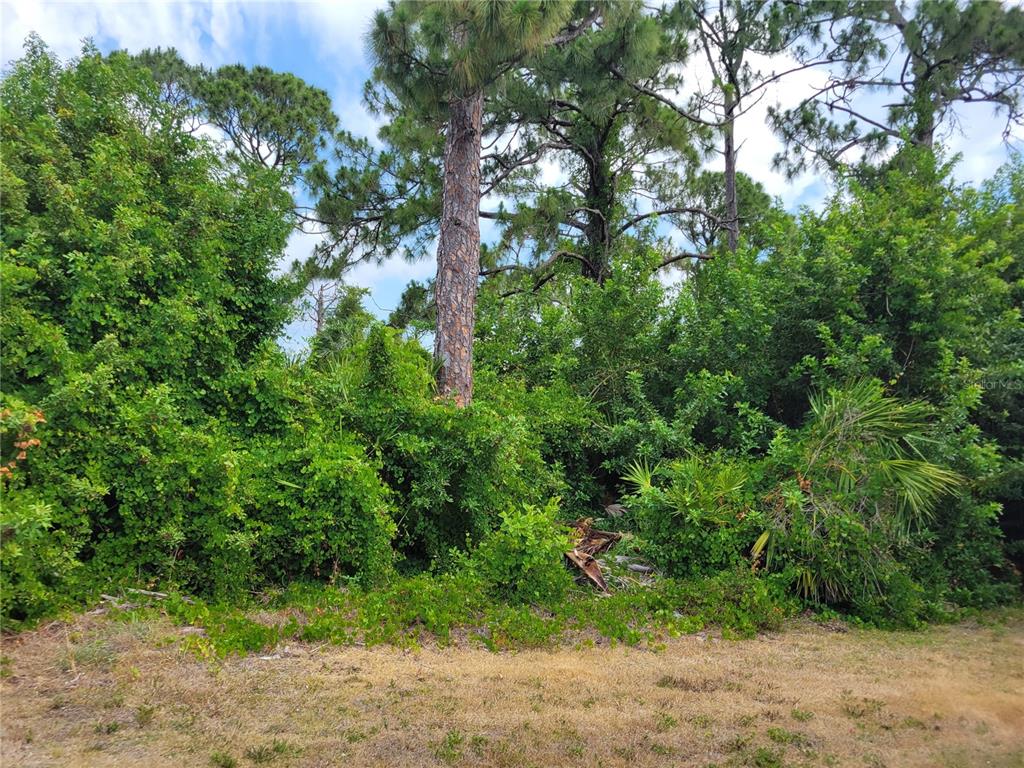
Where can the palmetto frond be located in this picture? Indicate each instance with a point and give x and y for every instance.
(640, 475)
(859, 436)
(860, 418)
(862, 481)
(918, 484)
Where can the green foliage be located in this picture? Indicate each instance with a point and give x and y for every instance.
(467, 45)
(593, 358)
(460, 607)
(965, 558)
(522, 560)
(138, 489)
(35, 562)
(847, 510)
(152, 433)
(99, 203)
(316, 507)
(703, 521)
(145, 492)
(562, 425)
(954, 53)
(857, 435)
(139, 312)
(887, 282)
(450, 469)
(853, 488)
(273, 119)
(345, 323)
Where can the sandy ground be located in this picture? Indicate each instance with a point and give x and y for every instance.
(99, 692)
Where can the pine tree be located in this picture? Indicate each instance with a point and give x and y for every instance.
(439, 57)
(273, 119)
(596, 108)
(945, 54)
(728, 32)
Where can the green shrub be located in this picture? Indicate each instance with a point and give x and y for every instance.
(148, 496)
(562, 425)
(704, 520)
(138, 292)
(114, 228)
(596, 357)
(960, 555)
(450, 469)
(852, 488)
(318, 509)
(523, 560)
(143, 493)
(35, 561)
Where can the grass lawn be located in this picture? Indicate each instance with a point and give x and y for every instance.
(103, 692)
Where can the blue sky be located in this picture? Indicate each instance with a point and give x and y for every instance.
(323, 43)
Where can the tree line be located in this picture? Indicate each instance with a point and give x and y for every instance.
(828, 402)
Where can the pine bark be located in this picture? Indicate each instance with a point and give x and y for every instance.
(732, 219)
(458, 250)
(600, 198)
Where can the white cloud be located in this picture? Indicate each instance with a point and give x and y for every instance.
(340, 29)
(212, 32)
(395, 268)
(977, 137)
(133, 25)
(551, 173)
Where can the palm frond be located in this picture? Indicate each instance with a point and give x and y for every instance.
(640, 475)
(918, 483)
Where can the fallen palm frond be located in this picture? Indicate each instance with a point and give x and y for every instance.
(591, 542)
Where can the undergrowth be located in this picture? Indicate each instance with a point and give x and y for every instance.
(457, 609)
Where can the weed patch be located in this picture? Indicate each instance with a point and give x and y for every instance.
(450, 749)
(223, 760)
(457, 607)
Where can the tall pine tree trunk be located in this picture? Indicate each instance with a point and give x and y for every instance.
(458, 250)
(600, 199)
(732, 220)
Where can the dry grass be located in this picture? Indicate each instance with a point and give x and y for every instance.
(104, 693)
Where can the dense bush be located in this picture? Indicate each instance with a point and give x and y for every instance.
(36, 560)
(135, 490)
(852, 487)
(316, 507)
(563, 425)
(522, 560)
(140, 312)
(119, 226)
(847, 510)
(704, 520)
(450, 469)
